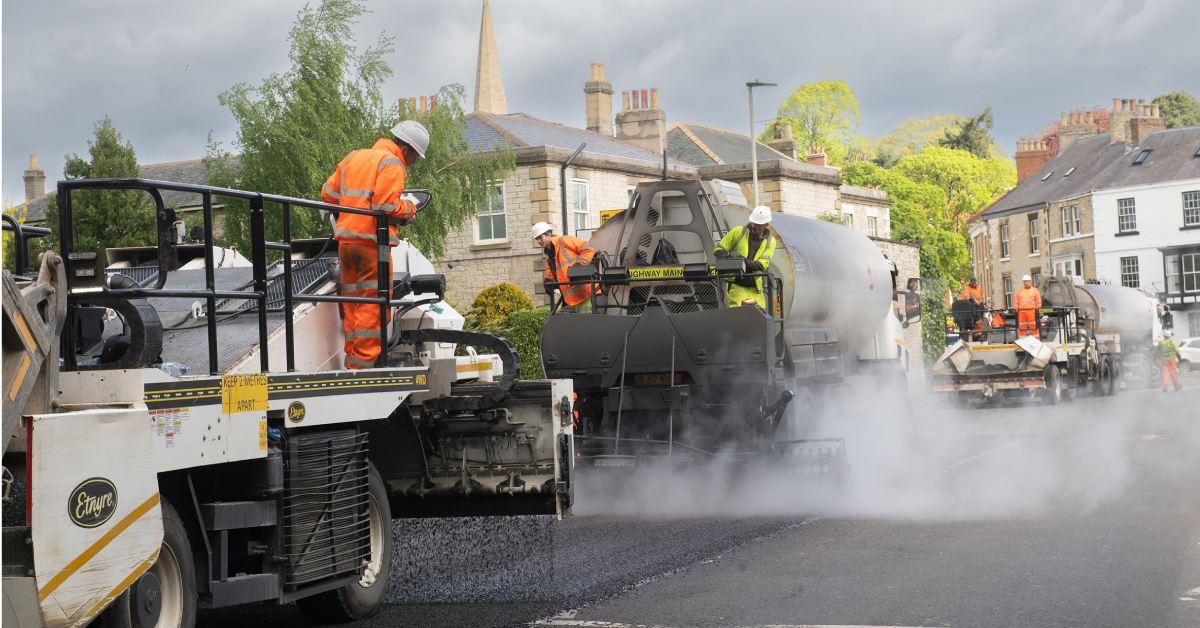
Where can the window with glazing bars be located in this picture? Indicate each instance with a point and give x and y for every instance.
(1004, 240)
(490, 220)
(1033, 233)
(1126, 215)
(1129, 272)
(1191, 208)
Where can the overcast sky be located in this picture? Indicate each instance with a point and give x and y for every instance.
(157, 67)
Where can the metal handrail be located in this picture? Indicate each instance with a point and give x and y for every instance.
(260, 246)
(21, 235)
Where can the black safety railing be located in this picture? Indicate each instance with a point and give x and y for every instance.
(165, 219)
(607, 277)
(22, 234)
(1003, 326)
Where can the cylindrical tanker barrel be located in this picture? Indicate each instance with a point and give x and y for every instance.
(832, 276)
(1118, 310)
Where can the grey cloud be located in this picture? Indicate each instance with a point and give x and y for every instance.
(157, 68)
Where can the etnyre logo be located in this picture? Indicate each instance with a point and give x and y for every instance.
(92, 502)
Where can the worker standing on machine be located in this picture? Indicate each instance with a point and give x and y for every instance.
(1168, 356)
(1028, 302)
(973, 294)
(561, 253)
(754, 243)
(370, 178)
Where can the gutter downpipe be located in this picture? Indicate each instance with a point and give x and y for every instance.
(562, 183)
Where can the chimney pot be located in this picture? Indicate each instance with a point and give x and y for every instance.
(1116, 105)
(432, 101)
(1154, 111)
(645, 99)
(787, 130)
(424, 103)
(654, 98)
(625, 100)
(775, 132)
(597, 71)
(33, 161)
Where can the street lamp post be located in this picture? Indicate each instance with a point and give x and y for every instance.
(753, 142)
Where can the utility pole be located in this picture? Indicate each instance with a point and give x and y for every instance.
(754, 142)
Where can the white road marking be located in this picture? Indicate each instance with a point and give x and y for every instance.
(595, 623)
(975, 457)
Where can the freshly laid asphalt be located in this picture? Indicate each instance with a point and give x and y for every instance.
(1087, 514)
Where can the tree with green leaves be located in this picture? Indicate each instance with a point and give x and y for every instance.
(823, 115)
(1178, 109)
(911, 136)
(972, 135)
(294, 128)
(970, 183)
(107, 218)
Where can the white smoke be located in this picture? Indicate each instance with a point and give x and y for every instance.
(927, 461)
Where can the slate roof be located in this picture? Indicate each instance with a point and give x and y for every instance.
(728, 146)
(486, 131)
(189, 171)
(1101, 164)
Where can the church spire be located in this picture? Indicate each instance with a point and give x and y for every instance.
(489, 85)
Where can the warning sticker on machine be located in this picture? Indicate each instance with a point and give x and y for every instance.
(167, 424)
(243, 393)
(262, 434)
(656, 272)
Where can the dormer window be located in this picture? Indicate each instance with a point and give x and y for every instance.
(1048, 175)
(1141, 158)
(1068, 173)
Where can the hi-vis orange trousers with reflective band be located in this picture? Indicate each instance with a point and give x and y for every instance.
(360, 321)
(1027, 323)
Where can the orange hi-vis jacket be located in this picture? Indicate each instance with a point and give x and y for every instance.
(1028, 299)
(968, 292)
(370, 178)
(568, 251)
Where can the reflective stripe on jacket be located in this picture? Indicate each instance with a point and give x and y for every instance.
(737, 242)
(1028, 299)
(568, 251)
(370, 178)
(1168, 351)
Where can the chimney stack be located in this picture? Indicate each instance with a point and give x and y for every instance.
(816, 156)
(597, 102)
(1144, 122)
(1074, 126)
(642, 122)
(1031, 156)
(35, 180)
(783, 141)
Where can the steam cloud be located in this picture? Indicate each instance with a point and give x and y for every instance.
(930, 461)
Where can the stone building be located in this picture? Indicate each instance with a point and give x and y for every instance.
(1121, 207)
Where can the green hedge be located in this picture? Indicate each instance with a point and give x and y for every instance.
(524, 330)
(491, 309)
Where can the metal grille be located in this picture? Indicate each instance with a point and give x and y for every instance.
(306, 277)
(326, 529)
(652, 217)
(144, 275)
(678, 298)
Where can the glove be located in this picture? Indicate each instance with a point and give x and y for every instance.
(754, 266)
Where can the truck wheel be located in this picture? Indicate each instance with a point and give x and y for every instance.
(1106, 377)
(363, 598)
(1053, 392)
(164, 596)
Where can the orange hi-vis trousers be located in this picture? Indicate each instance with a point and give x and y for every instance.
(1027, 323)
(1170, 374)
(360, 321)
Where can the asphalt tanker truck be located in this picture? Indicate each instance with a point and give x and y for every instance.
(1090, 337)
(179, 431)
(665, 369)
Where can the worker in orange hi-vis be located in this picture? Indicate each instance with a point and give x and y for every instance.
(370, 178)
(1028, 302)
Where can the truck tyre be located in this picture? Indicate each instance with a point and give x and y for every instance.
(1053, 393)
(1106, 382)
(361, 599)
(164, 596)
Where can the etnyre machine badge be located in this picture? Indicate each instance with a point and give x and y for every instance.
(92, 502)
(296, 412)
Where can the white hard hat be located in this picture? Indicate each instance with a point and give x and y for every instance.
(540, 228)
(1168, 333)
(761, 215)
(1026, 278)
(414, 134)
